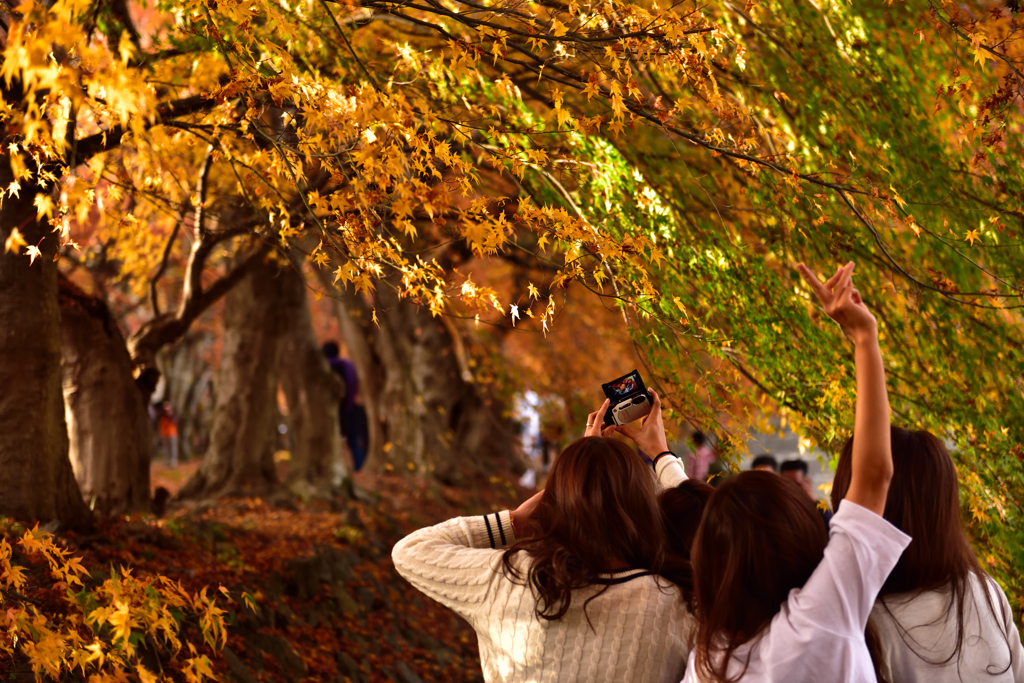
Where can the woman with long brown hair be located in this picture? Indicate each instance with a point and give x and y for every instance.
(682, 508)
(565, 587)
(939, 617)
(779, 598)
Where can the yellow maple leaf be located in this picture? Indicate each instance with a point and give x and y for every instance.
(896, 196)
(618, 106)
(562, 116)
(14, 576)
(971, 236)
(33, 253)
(44, 205)
(121, 623)
(145, 676)
(125, 49)
(15, 241)
(978, 49)
(698, 42)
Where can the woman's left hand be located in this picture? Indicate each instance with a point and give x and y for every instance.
(595, 421)
(650, 438)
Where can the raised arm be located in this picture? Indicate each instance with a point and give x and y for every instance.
(456, 562)
(872, 450)
(651, 439)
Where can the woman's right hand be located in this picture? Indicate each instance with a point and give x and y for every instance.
(650, 438)
(871, 465)
(521, 515)
(595, 422)
(842, 302)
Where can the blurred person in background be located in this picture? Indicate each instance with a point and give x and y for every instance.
(701, 457)
(167, 428)
(351, 415)
(796, 471)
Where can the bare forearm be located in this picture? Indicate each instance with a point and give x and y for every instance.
(872, 448)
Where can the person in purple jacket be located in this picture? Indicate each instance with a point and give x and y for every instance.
(351, 415)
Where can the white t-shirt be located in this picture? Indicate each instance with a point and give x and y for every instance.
(818, 634)
(991, 651)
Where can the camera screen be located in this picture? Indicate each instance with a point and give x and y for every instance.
(624, 386)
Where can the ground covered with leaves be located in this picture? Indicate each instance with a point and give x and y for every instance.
(309, 590)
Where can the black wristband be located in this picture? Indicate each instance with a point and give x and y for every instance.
(654, 463)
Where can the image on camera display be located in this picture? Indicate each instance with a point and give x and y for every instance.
(624, 386)
(629, 399)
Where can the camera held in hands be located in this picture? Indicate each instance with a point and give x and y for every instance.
(629, 398)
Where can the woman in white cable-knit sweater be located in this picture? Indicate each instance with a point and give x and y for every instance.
(566, 587)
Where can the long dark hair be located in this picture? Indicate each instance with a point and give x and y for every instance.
(682, 508)
(599, 506)
(761, 536)
(924, 502)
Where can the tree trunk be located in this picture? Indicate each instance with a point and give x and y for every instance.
(429, 415)
(240, 459)
(108, 425)
(313, 393)
(37, 482)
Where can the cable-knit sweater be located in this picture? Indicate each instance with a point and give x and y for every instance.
(640, 623)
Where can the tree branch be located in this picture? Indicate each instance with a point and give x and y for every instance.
(373, 81)
(201, 185)
(200, 213)
(168, 327)
(109, 139)
(154, 301)
(218, 289)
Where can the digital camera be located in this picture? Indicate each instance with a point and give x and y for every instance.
(629, 399)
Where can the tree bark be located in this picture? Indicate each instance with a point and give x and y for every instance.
(240, 459)
(313, 393)
(108, 426)
(38, 482)
(426, 413)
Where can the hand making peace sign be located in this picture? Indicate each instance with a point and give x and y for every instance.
(842, 302)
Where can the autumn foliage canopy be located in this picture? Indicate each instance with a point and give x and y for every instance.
(675, 158)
